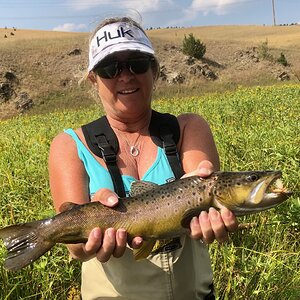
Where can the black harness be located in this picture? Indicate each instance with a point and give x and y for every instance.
(102, 141)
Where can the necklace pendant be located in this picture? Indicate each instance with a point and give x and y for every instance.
(134, 151)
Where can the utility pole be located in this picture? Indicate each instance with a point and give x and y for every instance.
(274, 19)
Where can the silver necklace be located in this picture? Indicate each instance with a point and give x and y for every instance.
(133, 149)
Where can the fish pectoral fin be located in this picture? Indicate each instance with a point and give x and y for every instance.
(140, 187)
(189, 214)
(145, 250)
(67, 206)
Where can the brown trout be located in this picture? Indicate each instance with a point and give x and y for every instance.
(152, 212)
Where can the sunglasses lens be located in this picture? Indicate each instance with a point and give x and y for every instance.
(108, 71)
(139, 65)
(111, 70)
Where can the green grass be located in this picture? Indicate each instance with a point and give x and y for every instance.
(254, 128)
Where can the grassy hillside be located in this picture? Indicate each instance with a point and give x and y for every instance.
(48, 72)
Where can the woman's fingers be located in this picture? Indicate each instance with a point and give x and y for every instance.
(204, 169)
(229, 219)
(106, 197)
(108, 245)
(94, 242)
(121, 241)
(213, 225)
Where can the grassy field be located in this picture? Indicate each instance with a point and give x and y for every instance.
(278, 36)
(254, 128)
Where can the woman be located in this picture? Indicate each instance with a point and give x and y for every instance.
(123, 69)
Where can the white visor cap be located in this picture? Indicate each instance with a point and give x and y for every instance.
(117, 37)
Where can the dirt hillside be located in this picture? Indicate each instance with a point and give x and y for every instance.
(40, 69)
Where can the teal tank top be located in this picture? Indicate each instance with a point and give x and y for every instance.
(160, 172)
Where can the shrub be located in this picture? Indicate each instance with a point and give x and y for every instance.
(193, 47)
(282, 60)
(264, 51)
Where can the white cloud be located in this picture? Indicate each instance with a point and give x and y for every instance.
(219, 7)
(138, 5)
(70, 27)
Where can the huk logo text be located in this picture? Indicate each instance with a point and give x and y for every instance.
(110, 36)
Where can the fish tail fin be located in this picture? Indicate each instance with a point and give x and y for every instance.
(25, 243)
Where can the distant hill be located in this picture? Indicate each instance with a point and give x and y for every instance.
(40, 69)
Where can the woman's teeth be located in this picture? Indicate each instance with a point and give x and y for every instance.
(126, 92)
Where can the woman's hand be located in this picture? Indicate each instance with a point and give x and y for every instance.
(211, 225)
(104, 244)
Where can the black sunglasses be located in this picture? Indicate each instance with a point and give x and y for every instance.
(112, 69)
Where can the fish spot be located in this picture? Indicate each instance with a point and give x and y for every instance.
(168, 203)
(147, 202)
(178, 197)
(189, 202)
(201, 199)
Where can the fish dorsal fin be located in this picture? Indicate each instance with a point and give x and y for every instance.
(140, 187)
(189, 214)
(144, 251)
(67, 206)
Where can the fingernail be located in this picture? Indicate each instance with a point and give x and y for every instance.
(214, 215)
(121, 233)
(112, 200)
(110, 232)
(204, 216)
(195, 221)
(204, 172)
(96, 233)
(138, 240)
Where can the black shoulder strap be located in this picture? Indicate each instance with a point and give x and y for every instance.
(165, 132)
(103, 142)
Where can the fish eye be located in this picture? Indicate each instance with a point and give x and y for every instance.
(252, 177)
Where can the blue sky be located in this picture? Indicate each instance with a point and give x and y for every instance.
(83, 15)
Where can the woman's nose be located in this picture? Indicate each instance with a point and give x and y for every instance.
(125, 73)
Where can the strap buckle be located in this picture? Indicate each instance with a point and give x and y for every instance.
(170, 149)
(108, 154)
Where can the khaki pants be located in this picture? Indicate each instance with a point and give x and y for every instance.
(179, 275)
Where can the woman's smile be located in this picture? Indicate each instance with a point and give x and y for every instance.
(128, 91)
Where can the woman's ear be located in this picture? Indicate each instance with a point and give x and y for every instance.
(92, 77)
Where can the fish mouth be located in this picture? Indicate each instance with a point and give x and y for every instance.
(276, 188)
(268, 193)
